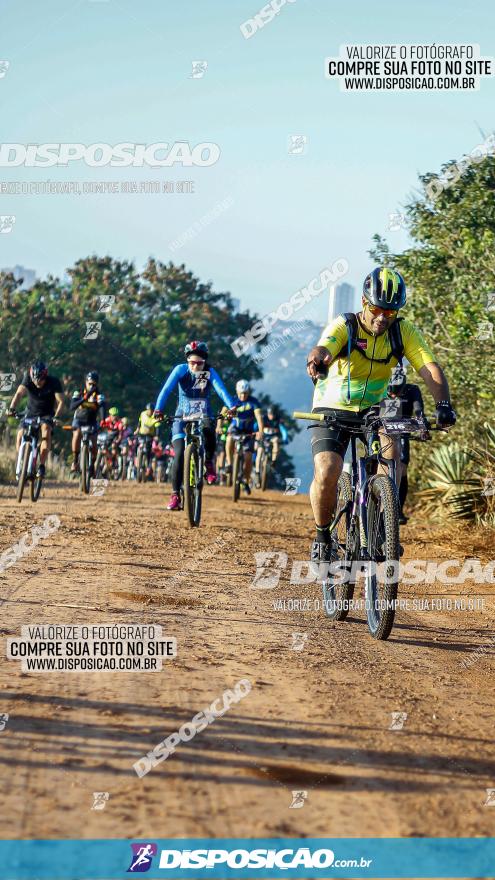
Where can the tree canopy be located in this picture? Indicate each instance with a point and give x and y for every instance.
(450, 273)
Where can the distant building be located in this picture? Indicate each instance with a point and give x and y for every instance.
(342, 299)
(28, 276)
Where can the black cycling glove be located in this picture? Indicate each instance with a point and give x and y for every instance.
(445, 415)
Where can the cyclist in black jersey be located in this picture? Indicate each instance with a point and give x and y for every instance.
(403, 400)
(89, 407)
(45, 399)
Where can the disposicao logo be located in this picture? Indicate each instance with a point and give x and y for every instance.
(246, 858)
(142, 856)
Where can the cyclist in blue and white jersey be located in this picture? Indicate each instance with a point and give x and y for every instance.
(195, 381)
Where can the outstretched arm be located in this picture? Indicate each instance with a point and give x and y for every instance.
(221, 389)
(21, 391)
(59, 397)
(170, 385)
(435, 381)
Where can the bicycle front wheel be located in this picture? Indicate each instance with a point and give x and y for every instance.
(382, 579)
(84, 465)
(140, 466)
(118, 468)
(21, 482)
(237, 469)
(265, 469)
(192, 485)
(338, 588)
(36, 483)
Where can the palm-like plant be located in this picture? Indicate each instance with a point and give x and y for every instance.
(461, 484)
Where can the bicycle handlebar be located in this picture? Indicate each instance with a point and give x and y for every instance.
(425, 428)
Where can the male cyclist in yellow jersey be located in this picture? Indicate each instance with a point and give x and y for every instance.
(351, 367)
(147, 428)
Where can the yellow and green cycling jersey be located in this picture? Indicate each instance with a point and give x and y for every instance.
(147, 425)
(369, 380)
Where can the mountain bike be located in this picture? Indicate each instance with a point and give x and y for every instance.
(142, 456)
(163, 465)
(263, 462)
(238, 480)
(109, 460)
(125, 449)
(88, 445)
(28, 456)
(365, 528)
(194, 461)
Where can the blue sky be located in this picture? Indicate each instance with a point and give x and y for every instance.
(113, 71)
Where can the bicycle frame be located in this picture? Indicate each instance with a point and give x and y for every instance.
(194, 434)
(361, 480)
(30, 434)
(88, 436)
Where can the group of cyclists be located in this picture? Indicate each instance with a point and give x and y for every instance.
(194, 380)
(356, 366)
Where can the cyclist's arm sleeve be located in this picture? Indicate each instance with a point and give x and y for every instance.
(221, 389)
(170, 385)
(334, 336)
(283, 433)
(416, 349)
(76, 401)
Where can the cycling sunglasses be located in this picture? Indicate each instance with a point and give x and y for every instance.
(388, 313)
(196, 362)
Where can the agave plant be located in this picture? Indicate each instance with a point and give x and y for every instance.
(455, 482)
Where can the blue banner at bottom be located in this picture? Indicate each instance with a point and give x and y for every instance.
(263, 858)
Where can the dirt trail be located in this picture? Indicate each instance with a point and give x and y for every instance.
(316, 720)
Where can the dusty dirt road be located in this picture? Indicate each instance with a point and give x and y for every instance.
(316, 720)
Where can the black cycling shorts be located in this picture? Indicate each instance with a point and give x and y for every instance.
(45, 418)
(247, 441)
(77, 423)
(335, 438)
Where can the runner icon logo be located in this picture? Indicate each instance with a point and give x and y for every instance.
(105, 302)
(292, 485)
(268, 569)
(92, 329)
(490, 797)
(298, 641)
(100, 799)
(398, 720)
(298, 798)
(142, 856)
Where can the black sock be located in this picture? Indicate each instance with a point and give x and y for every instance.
(323, 534)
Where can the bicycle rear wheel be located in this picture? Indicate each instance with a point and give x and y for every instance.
(21, 482)
(382, 580)
(337, 593)
(193, 486)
